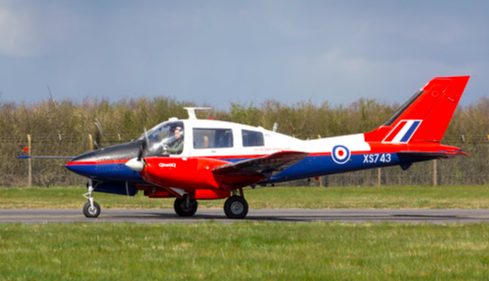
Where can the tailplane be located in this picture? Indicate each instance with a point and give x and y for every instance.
(424, 117)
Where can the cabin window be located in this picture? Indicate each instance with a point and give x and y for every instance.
(252, 138)
(212, 138)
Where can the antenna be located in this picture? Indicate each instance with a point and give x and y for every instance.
(191, 111)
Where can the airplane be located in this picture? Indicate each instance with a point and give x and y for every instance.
(196, 159)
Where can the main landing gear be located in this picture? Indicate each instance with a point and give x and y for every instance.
(91, 208)
(185, 207)
(235, 206)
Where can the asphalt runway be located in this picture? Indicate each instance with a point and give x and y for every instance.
(277, 215)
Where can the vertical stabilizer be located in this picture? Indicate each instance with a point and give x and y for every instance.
(424, 117)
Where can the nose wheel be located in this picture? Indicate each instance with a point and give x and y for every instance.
(91, 211)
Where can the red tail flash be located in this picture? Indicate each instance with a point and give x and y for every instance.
(425, 116)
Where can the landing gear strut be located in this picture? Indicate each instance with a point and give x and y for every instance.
(185, 207)
(91, 208)
(236, 206)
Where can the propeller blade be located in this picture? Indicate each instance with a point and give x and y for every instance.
(146, 135)
(143, 145)
(141, 150)
(137, 164)
(97, 142)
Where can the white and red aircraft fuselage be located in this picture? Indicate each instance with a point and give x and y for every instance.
(197, 159)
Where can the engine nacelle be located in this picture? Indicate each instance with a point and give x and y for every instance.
(186, 173)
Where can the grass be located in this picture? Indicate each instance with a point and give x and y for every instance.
(396, 197)
(244, 251)
(250, 250)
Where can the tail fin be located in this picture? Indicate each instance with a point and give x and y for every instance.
(425, 116)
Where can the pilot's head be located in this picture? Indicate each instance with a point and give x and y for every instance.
(177, 131)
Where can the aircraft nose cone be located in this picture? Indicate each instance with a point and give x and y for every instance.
(135, 165)
(83, 165)
(104, 162)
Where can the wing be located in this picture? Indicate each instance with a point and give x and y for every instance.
(251, 171)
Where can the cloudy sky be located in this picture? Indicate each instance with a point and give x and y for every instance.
(222, 51)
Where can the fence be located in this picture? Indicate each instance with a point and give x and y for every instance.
(462, 170)
(45, 172)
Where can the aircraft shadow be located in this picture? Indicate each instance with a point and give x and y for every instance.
(308, 218)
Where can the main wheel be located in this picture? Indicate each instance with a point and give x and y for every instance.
(91, 212)
(185, 211)
(236, 207)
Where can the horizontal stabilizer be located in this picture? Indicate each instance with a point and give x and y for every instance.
(44, 157)
(430, 155)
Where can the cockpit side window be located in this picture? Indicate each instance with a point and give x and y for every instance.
(212, 138)
(252, 138)
(166, 138)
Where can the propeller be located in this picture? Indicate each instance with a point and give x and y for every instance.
(137, 164)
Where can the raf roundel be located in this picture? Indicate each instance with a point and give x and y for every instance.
(340, 154)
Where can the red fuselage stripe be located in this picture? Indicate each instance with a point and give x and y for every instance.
(119, 161)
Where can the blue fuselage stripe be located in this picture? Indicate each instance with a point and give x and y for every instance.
(313, 166)
(114, 172)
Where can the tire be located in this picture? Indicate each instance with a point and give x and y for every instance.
(91, 212)
(182, 210)
(236, 207)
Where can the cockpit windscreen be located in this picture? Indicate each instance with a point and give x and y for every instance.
(165, 138)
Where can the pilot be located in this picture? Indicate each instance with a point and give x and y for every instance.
(176, 146)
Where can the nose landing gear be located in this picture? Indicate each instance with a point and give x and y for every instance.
(91, 208)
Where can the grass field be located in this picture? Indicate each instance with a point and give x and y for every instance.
(244, 251)
(250, 250)
(396, 197)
